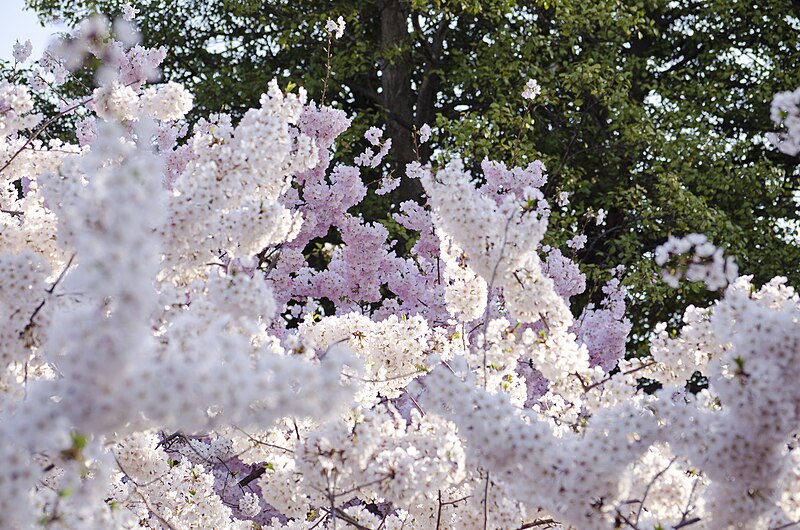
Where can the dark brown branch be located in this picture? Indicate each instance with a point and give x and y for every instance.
(686, 523)
(253, 475)
(486, 503)
(534, 524)
(439, 511)
(787, 525)
(337, 512)
(41, 129)
(586, 388)
(29, 326)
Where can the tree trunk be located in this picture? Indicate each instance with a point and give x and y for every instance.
(398, 99)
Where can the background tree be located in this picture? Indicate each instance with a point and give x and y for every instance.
(653, 110)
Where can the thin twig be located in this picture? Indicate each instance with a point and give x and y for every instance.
(650, 485)
(787, 525)
(534, 524)
(327, 70)
(486, 503)
(688, 508)
(627, 521)
(154, 512)
(41, 129)
(336, 512)
(414, 401)
(27, 332)
(393, 378)
(358, 488)
(439, 511)
(456, 501)
(686, 523)
(265, 444)
(586, 387)
(489, 294)
(49, 122)
(139, 488)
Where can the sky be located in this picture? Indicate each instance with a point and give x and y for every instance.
(17, 23)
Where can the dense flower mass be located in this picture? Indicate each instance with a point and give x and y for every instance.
(178, 350)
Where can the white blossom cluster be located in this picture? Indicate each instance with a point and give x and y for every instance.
(226, 200)
(465, 292)
(129, 12)
(424, 133)
(104, 344)
(704, 262)
(15, 107)
(22, 51)
(690, 351)
(500, 240)
(394, 350)
(369, 158)
(785, 111)
(532, 89)
(167, 362)
(336, 27)
(167, 102)
(116, 102)
(121, 102)
(22, 280)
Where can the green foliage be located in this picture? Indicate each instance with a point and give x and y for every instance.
(654, 110)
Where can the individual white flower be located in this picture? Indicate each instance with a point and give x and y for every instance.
(600, 217)
(532, 89)
(336, 27)
(424, 133)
